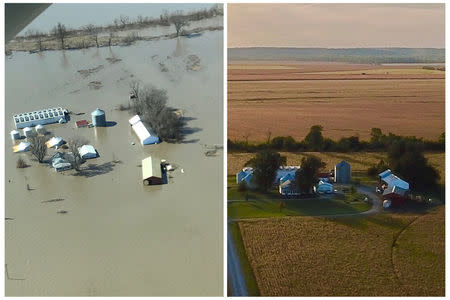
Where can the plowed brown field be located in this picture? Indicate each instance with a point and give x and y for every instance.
(288, 98)
(306, 256)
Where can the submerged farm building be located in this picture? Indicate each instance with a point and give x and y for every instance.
(152, 172)
(42, 117)
(146, 136)
(342, 172)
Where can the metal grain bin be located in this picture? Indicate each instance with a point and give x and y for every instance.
(342, 172)
(98, 118)
(15, 134)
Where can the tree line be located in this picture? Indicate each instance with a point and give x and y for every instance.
(315, 141)
(178, 19)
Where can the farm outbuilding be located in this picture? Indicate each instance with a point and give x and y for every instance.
(87, 151)
(342, 172)
(323, 188)
(82, 123)
(152, 172)
(54, 142)
(21, 147)
(27, 131)
(43, 116)
(98, 118)
(246, 176)
(40, 129)
(15, 134)
(393, 188)
(145, 135)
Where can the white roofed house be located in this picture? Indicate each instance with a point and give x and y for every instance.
(145, 135)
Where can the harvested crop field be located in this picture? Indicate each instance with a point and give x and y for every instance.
(306, 256)
(287, 99)
(359, 161)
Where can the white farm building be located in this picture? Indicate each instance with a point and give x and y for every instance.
(145, 135)
(42, 117)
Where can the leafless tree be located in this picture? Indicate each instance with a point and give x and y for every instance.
(124, 20)
(38, 147)
(93, 31)
(110, 37)
(60, 32)
(178, 19)
(151, 105)
(164, 18)
(74, 143)
(140, 19)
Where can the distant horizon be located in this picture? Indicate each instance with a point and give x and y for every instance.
(336, 25)
(290, 47)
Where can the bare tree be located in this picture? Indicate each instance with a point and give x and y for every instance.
(179, 21)
(60, 32)
(38, 147)
(151, 105)
(93, 31)
(74, 143)
(124, 20)
(110, 37)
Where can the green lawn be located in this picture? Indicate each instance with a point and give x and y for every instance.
(250, 281)
(260, 205)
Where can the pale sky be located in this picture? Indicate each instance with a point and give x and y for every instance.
(336, 25)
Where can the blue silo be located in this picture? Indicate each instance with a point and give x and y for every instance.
(98, 118)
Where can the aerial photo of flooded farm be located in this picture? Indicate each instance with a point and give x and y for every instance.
(114, 151)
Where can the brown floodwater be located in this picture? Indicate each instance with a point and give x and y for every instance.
(118, 237)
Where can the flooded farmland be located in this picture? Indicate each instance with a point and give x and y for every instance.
(118, 237)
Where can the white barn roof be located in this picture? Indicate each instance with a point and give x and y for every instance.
(144, 135)
(87, 151)
(135, 119)
(392, 180)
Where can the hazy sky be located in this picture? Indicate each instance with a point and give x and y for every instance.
(336, 25)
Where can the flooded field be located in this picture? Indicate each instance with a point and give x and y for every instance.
(119, 238)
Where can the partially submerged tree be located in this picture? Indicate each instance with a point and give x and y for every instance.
(38, 148)
(60, 32)
(265, 165)
(179, 20)
(307, 176)
(93, 31)
(74, 143)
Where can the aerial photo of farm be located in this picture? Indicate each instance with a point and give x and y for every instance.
(114, 151)
(336, 150)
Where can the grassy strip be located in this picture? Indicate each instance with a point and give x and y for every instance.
(250, 280)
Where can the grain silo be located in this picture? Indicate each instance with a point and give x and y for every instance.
(27, 131)
(15, 134)
(40, 129)
(98, 118)
(342, 173)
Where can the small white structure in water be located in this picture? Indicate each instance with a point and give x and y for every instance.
(27, 132)
(54, 142)
(22, 147)
(15, 134)
(40, 129)
(87, 151)
(145, 136)
(60, 164)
